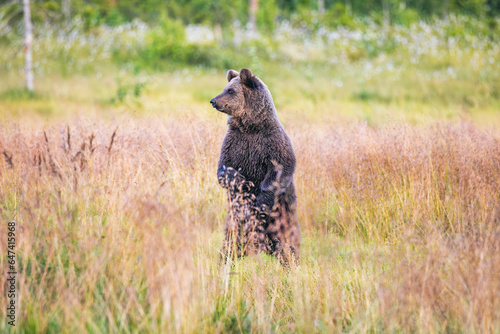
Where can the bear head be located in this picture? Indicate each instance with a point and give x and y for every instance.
(244, 93)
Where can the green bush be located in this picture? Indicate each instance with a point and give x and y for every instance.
(114, 18)
(91, 16)
(167, 42)
(407, 17)
(266, 16)
(166, 47)
(336, 16)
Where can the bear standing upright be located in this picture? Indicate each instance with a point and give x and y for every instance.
(256, 165)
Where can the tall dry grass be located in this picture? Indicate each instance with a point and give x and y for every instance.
(120, 225)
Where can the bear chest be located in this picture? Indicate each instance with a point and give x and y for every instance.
(250, 155)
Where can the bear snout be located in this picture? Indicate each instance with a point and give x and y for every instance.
(213, 102)
(219, 104)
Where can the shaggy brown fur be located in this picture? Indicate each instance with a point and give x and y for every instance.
(256, 165)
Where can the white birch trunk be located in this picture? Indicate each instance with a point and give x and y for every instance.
(321, 6)
(66, 9)
(385, 9)
(254, 7)
(28, 39)
(348, 7)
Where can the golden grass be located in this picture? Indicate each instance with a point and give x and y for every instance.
(120, 223)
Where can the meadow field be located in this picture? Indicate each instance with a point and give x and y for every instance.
(109, 170)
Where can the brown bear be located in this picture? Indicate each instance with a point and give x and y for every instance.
(256, 166)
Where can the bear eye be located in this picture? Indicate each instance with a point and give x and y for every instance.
(230, 91)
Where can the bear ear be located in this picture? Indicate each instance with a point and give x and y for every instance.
(248, 79)
(231, 74)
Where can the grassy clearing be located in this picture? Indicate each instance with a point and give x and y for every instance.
(411, 99)
(120, 233)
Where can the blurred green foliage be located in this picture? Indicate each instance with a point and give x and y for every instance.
(166, 42)
(85, 36)
(225, 12)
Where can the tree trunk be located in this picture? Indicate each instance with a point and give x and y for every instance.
(386, 11)
(28, 38)
(254, 7)
(445, 9)
(321, 6)
(218, 32)
(66, 9)
(348, 7)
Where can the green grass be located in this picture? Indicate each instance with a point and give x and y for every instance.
(373, 101)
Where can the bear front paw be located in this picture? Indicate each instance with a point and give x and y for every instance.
(261, 211)
(246, 187)
(231, 179)
(226, 175)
